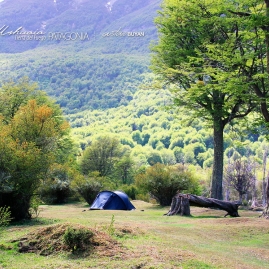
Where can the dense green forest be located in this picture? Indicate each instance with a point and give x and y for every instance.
(154, 131)
(150, 127)
(80, 81)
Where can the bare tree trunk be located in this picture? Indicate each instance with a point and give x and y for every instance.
(227, 182)
(240, 197)
(181, 205)
(227, 193)
(267, 194)
(265, 212)
(254, 202)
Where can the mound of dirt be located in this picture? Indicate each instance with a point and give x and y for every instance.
(50, 240)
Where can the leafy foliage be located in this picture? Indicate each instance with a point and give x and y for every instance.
(81, 82)
(101, 156)
(89, 187)
(29, 145)
(163, 182)
(76, 239)
(5, 217)
(191, 139)
(56, 188)
(209, 69)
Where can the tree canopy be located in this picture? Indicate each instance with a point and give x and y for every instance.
(30, 142)
(212, 56)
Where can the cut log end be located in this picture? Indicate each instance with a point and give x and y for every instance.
(265, 213)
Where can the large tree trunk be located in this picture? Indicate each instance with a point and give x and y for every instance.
(216, 187)
(181, 205)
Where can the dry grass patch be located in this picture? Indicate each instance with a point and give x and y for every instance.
(49, 240)
(143, 238)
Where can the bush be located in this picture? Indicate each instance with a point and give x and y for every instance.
(89, 189)
(162, 182)
(143, 197)
(5, 217)
(56, 188)
(77, 239)
(34, 209)
(55, 191)
(130, 190)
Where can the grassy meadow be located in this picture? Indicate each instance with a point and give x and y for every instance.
(145, 238)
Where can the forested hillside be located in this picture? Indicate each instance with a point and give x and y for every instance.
(87, 16)
(99, 72)
(155, 134)
(79, 81)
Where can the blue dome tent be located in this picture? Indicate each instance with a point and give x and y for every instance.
(109, 200)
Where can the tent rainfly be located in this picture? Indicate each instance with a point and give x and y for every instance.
(109, 200)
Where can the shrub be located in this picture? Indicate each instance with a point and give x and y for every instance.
(111, 228)
(55, 191)
(77, 239)
(130, 190)
(5, 217)
(163, 182)
(89, 187)
(143, 197)
(34, 207)
(56, 188)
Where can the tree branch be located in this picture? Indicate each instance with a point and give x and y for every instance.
(241, 14)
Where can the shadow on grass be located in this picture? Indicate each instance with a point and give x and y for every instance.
(199, 217)
(33, 222)
(207, 217)
(77, 255)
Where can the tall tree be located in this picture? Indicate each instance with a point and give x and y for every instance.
(30, 139)
(198, 55)
(101, 156)
(260, 85)
(254, 45)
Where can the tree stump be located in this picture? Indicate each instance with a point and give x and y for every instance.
(181, 205)
(265, 213)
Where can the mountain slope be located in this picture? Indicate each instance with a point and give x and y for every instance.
(90, 17)
(98, 72)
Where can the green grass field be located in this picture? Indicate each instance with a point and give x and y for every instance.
(147, 239)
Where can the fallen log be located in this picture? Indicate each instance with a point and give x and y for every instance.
(181, 205)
